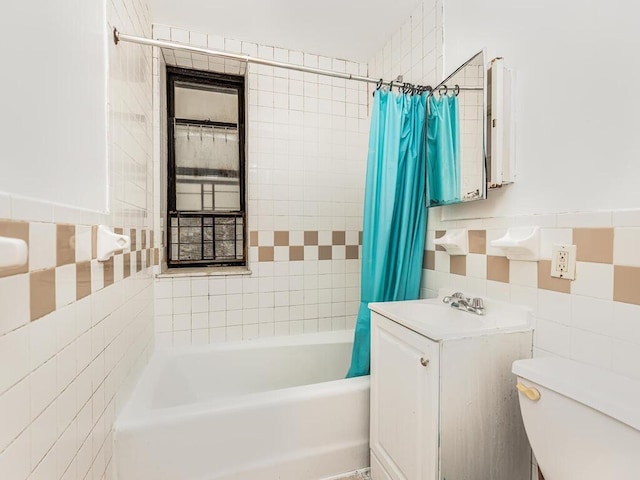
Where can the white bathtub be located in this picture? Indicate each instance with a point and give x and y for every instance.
(269, 409)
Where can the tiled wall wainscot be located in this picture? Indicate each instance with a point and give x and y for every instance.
(72, 331)
(594, 319)
(306, 161)
(302, 282)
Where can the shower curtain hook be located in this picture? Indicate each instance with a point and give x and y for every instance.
(446, 89)
(379, 84)
(457, 90)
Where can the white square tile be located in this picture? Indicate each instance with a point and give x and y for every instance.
(626, 247)
(181, 322)
(163, 288)
(217, 319)
(14, 298)
(66, 322)
(14, 357)
(182, 305)
(476, 265)
(44, 431)
(217, 286)
(525, 296)
(625, 324)
(554, 236)
(199, 286)
(67, 364)
(591, 348)
(626, 359)
(200, 337)
(44, 387)
(554, 306)
(179, 35)
(591, 314)
(552, 337)
(83, 243)
(498, 290)
(97, 275)
(181, 287)
(182, 338)
(42, 245)
(442, 262)
(14, 412)
(199, 304)
(593, 280)
(523, 273)
(15, 460)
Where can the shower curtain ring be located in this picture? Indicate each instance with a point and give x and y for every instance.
(379, 84)
(457, 90)
(446, 89)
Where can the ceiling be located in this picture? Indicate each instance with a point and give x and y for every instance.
(347, 29)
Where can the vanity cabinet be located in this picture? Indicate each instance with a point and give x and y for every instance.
(443, 400)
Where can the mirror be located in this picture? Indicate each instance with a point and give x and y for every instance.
(456, 163)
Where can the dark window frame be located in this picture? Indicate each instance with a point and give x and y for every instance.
(207, 79)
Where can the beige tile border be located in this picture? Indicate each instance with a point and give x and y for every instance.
(547, 282)
(594, 244)
(498, 269)
(42, 292)
(311, 238)
(478, 241)
(43, 282)
(458, 264)
(626, 284)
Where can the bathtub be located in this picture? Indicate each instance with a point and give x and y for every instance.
(268, 409)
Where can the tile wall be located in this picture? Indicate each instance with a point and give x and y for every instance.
(306, 145)
(594, 319)
(74, 332)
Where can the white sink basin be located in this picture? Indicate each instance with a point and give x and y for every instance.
(439, 321)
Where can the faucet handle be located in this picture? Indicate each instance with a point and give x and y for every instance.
(454, 297)
(477, 303)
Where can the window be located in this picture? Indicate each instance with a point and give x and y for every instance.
(206, 200)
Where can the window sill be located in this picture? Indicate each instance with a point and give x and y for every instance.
(203, 272)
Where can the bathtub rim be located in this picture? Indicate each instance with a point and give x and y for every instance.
(137, 412)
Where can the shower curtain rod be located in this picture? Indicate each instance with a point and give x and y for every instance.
(118, 37)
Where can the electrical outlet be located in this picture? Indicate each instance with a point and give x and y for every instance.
(563, 261)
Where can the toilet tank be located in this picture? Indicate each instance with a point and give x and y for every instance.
(586, 423)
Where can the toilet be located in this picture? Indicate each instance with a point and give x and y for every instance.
(583, 422)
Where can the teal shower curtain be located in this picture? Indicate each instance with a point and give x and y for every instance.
(443, 150)
(395, 215)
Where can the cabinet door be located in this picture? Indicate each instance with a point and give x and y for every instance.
(404, 401)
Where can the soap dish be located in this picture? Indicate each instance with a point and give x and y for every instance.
(455, 242)
(520, 243)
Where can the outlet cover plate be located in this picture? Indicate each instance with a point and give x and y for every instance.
(563, 261)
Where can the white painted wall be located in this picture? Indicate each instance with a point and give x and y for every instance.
(352, 30)
(53, 107)
(577, 100)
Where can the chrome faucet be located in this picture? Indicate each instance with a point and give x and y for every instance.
(461, 302)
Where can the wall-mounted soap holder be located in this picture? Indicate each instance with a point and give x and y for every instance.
(520, 243)
(109, 243)
(455, 242)
(14, 252)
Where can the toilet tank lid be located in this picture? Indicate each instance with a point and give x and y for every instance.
(610, 393)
